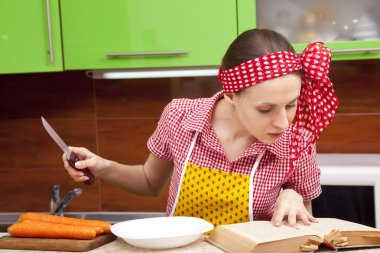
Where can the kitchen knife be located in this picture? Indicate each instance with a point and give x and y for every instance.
(72, 157)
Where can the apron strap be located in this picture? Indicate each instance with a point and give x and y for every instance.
(251, 183)
(190, 150)
(183, 171)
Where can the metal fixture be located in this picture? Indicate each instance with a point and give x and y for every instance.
(157, 53)
(50, 36)
(56, 205)
(152, 72)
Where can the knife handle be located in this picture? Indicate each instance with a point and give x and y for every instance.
(72, 160)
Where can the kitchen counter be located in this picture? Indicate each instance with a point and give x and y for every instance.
(198, 246)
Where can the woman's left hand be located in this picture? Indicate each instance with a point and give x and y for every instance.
(289, 203)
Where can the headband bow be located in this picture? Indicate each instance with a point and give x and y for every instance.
(317, 102)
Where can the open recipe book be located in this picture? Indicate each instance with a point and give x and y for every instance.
(262, 236)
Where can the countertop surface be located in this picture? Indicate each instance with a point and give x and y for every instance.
(200, 245)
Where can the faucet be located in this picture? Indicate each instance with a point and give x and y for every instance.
(56, 205)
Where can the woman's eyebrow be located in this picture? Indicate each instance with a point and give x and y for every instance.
(271, 104)
(294, 100)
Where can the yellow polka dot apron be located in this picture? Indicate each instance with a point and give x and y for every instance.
(219, 197)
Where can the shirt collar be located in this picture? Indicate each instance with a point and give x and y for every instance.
(280, 148)
(200, 120)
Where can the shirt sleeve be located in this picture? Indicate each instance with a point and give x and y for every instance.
(306, 176)
(159, 144)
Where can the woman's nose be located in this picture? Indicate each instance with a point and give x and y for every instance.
(281, 120)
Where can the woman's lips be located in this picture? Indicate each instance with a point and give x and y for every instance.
(275, 135)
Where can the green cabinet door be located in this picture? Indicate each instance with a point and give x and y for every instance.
(24, 36)
(101, 34)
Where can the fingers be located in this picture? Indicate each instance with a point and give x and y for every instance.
(311, 218)
(278, 216)
(81, 152)
(77, 175)
(88, 163)
(291, 207)
(291, 215)
(304, 217)
(292, 218)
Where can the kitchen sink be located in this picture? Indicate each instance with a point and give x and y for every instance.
(6, 219)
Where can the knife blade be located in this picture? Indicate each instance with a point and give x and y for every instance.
(72, 158)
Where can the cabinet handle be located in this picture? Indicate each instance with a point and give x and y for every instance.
(51, 53)
(146, 53)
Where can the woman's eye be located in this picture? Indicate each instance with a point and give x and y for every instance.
(264, 110)
(290, 106)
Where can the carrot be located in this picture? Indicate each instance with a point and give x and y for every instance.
(50, 230)
(65, 220)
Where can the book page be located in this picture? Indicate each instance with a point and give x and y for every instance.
(265, 231)
(326, 225)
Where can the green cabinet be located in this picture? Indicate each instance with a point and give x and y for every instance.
(351, 28)
(111, 34)
(30, 36)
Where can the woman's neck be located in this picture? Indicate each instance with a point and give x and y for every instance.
(233, 136)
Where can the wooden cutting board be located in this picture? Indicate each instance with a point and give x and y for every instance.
(9, 242)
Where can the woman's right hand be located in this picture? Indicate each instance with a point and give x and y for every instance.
(94, 163)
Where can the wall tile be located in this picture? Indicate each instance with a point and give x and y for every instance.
(59, 95)
(147, 97)
(124, 141)
(351, 134)
(357, 85)
(116, 199)
(132, 98)
(29, 190)
(26, 144)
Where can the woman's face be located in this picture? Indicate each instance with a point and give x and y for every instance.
(267, 109)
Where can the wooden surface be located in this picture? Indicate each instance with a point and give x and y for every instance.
(9, 242)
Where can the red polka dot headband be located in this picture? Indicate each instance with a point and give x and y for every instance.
(317, 102)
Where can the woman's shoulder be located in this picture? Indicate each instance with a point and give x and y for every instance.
(181, 108)
(190, 105)
(187, 104)
(192, 114)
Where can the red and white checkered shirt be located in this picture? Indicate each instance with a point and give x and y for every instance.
(175, 131)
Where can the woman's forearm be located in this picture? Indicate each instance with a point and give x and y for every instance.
(129, 177)
(146, 179)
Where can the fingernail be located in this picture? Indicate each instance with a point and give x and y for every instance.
(277, 223)
(77, 164)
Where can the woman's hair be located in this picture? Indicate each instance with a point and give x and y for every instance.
(252, 44)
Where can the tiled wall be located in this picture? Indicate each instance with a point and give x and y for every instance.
(114, 118)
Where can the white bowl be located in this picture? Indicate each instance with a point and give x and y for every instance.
(161, 232)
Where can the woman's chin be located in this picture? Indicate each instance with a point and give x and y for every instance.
(270, 140)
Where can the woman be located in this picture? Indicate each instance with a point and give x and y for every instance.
(248, 152)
